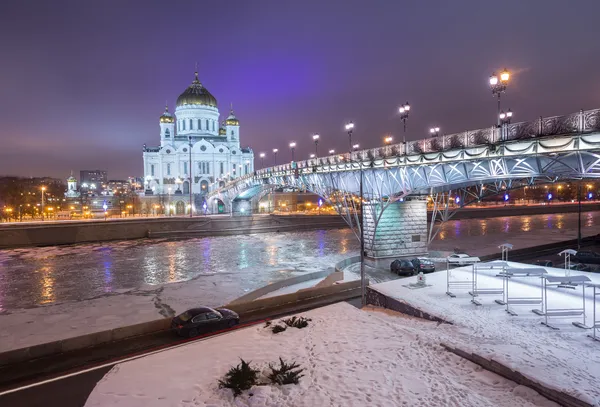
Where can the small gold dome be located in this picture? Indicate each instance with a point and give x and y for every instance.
(232, 120)
(167, 117)
(222, 131)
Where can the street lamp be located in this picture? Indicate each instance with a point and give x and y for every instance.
(404, 110)
(350, 129)
(388, 140)
(293, 147)
(498, 86)
(262, 160)
(331, 152)
(355, 147)
(312, 155)
(43, 189)
(434, 131)
(190, 140)
(275, 155)
(505, 118)
(316, 139)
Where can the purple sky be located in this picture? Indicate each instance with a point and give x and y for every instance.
(83, 83)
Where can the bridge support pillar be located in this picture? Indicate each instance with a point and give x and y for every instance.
(242, 207)
(401, 230)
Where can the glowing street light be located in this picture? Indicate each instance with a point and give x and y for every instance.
(275, 156)
(316, 140)
(350, 129)
(312, 155)
(355, 147)
(434, 131)
(293, 147)
(331, 152)
(505, 118)
(498, 86)
(388, 140)
(404, 110)
(43, 190)
(262, 160)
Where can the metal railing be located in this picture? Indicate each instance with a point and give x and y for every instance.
(580, 122)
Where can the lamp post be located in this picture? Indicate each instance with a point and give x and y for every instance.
(191, 179)
(169, 202)
(316, 139)
(350, 129)
(434, 131)
(387, 140)
(262, 160)
(331, 152)
(43, 189)
(404, 110)
(312, 156)
(498, 86)
(293, 147)
(355, 147)
(275, 156)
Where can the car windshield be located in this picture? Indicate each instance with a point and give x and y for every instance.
(186, 316)
(425, 261)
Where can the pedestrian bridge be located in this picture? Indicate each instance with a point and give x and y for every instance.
(472, 164)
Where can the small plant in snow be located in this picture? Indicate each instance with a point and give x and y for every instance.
(267, 324)
(239, 378)
(285, 373)
(278, 328)
(297, 322)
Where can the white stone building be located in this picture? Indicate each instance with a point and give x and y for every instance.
(215, 153)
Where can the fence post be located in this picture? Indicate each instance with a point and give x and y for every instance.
(541, 126)
(581, 121)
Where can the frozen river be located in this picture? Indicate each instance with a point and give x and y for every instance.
(234, 264)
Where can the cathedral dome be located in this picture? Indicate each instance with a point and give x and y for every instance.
(167, 117)
(232, 120)
(196, 94)
(222, 131)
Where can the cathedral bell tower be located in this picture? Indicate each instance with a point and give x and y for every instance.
(167, 127)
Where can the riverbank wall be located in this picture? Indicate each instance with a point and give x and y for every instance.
(66, 233)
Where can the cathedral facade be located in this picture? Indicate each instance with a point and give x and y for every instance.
(196, 151)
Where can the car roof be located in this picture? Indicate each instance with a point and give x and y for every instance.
(199, 310)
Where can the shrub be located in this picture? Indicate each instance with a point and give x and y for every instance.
(239, 378)
(267, 324)
(285, 373)
(278, 328)
(296, 322)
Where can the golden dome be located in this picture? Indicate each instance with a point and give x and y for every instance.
(232, 120)
(196, 94)
(222, 131)
(167, 117)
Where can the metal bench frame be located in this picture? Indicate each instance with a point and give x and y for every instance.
(569, 282)
(510, 273)
(476, 291)
(459, 284)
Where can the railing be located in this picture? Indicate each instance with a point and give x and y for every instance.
(580, 122)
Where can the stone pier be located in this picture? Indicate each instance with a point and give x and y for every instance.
(401, 231)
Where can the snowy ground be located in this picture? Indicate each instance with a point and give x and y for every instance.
(351, 357)
(566, 359)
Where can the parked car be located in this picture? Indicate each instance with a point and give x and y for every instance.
(455, 258)
(424, 265)
(581, 267)
(202, 320)
(401, 266)
(587, 257)
(544, 263)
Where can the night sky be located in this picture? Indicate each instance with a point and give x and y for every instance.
(83, 83)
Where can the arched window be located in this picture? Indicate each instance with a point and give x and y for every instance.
(183, 124)
(199, 125)
(213, 126)
(191, 125)
(152, 170)
(168, 169)
(167, 133)
(207, 125)
(178, 125)
(232, 132)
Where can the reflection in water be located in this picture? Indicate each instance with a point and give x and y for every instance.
(525, 224)
(321, 242)
(560, 221)
(589, 219)
(46, 285)
(483, 226)
(457, 228)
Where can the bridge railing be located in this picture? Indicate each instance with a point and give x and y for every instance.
(580, 122)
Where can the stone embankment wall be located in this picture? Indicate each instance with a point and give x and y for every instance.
(62, 233)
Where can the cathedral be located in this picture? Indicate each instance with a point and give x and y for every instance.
(193, 135)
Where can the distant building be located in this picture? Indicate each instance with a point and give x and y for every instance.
(72, 191)
(114, 186)
(193, 132)
(92, 180)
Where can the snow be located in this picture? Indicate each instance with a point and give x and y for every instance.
(567, 359)
(351, 357)
(293, 288)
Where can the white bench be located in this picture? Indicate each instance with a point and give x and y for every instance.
(595, 322)
(477, 291)
(511, 273)
(456, 283)
(569, 282)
